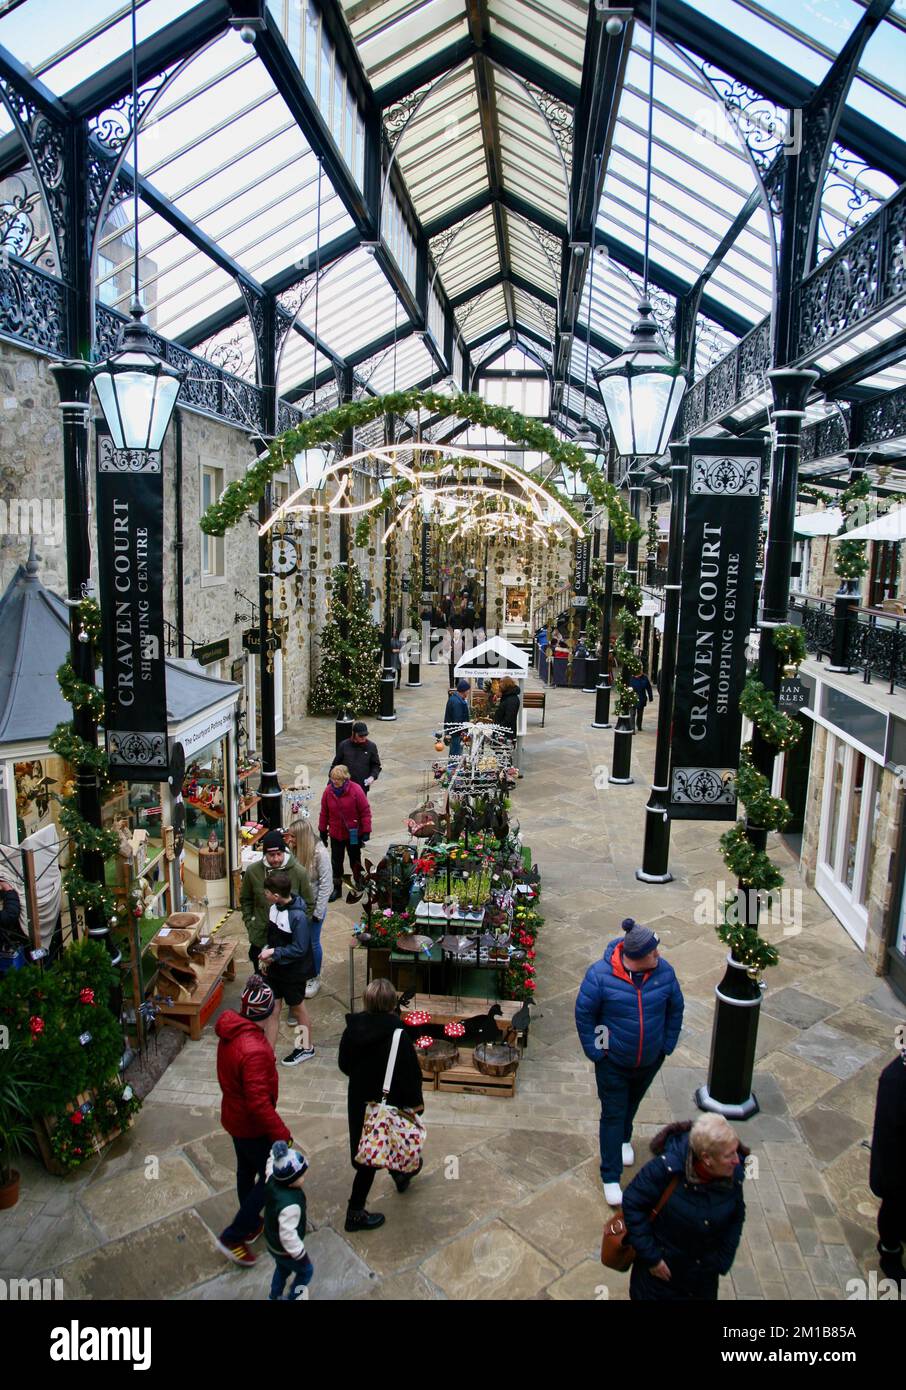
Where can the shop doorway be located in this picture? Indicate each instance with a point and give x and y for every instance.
(850, 810)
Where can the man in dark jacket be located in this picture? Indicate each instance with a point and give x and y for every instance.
(252, 900)
(289, 960)
(360, 755)
(887, 1175)
(247, 1074)
(629, 1013)
(456, 712)
(363, 1056)
(695, 1235)
(643, 694)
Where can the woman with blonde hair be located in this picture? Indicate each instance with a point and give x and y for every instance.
(693, 1239)
(315, 860)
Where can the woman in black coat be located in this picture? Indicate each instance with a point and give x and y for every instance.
(887, 1175)
(507, 711)
(363, 1056)
(693, 1239)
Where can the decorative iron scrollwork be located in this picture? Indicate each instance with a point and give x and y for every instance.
(45, 142)
(231, 350)
(32, 306)
(559, 118)
(398, 116)
(843, 173)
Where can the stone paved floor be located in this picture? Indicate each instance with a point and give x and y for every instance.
(509, 1204)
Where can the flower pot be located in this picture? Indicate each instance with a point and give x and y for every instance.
(9, 1192)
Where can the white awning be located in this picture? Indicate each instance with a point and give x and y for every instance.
(890, 527)
(826, 523)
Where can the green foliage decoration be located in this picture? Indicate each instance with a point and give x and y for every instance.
(775, 727)
(329, 425)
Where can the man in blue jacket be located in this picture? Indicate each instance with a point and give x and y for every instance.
(629, 1013)
(456, 713)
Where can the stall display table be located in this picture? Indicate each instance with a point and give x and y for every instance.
(192, 1014)
(446, 1008)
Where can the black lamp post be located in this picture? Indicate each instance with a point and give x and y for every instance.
(388, 674)
(605, 683)
(729, 1087)
(656, 853)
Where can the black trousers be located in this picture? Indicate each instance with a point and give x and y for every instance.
(639, 712)
(892, 1222)
(338, 848)
(251, 1160)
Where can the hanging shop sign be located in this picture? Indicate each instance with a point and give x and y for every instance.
(130, 523)
(716, 603)
(583, 561)
(212, 651)
(251, 640)
(792, 695)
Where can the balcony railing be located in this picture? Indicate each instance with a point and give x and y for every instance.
(875, 643)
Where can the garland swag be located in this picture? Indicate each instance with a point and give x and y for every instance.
(88, 760)
(321, 429)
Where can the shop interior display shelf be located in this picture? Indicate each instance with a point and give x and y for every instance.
(192, 1014)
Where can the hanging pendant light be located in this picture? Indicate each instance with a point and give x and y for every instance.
(136, 388)
(643, 388)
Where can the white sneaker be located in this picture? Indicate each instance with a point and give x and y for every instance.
(628, 1155)
(312, 987)
(613, 1194)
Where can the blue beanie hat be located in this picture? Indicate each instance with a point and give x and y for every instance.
(289, 1164)
(639, 940)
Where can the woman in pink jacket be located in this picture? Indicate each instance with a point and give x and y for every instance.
(346, 819)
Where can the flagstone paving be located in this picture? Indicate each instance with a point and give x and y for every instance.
(509, 1204)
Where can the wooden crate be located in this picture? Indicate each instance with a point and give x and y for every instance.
(468, 1080)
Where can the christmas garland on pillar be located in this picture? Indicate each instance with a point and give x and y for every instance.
(624, 649)
(752, 867)
(88, 761)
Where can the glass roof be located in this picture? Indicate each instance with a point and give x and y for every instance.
(232, 187)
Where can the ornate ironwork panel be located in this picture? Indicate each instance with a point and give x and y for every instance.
(754, 360)
(46, 141)
(32, 307)
(720, 387)
(288, 415)
(882, 419)
(692, 411)
(242, 403)
(559, 118)
(232, 349)
(818, 628)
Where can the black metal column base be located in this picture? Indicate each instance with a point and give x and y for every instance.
(414, 676)
(602, 708)
(622, 755)
(656, 852)
(343, 728)
(591, 675)
(744, 1111)
(388, 690)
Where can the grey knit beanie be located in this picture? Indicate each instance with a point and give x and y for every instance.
(639, 940)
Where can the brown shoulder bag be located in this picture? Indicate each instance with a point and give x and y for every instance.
(616, 1252)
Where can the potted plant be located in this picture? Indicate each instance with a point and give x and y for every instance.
(18, 1096)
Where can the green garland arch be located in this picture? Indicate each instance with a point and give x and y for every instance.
(245, 492)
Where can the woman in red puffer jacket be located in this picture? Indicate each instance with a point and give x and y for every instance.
(346, 820)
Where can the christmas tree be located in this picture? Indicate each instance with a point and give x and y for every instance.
(349, 676)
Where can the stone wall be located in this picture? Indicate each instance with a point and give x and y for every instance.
(812, 817)
(31, 491)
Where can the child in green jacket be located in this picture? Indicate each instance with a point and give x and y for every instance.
(284, 1222)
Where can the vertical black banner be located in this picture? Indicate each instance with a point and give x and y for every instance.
(583, 561)
(719, 551)
(130, 507)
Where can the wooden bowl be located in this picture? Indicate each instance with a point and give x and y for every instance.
(496, 1059)
(440, 1056)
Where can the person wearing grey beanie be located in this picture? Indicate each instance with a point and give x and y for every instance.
(629, 1013)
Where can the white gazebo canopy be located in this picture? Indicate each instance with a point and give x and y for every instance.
(492, 660)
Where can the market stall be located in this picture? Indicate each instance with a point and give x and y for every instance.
(492, 660)
(451, 918)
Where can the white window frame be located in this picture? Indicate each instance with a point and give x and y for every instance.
(212, 560)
